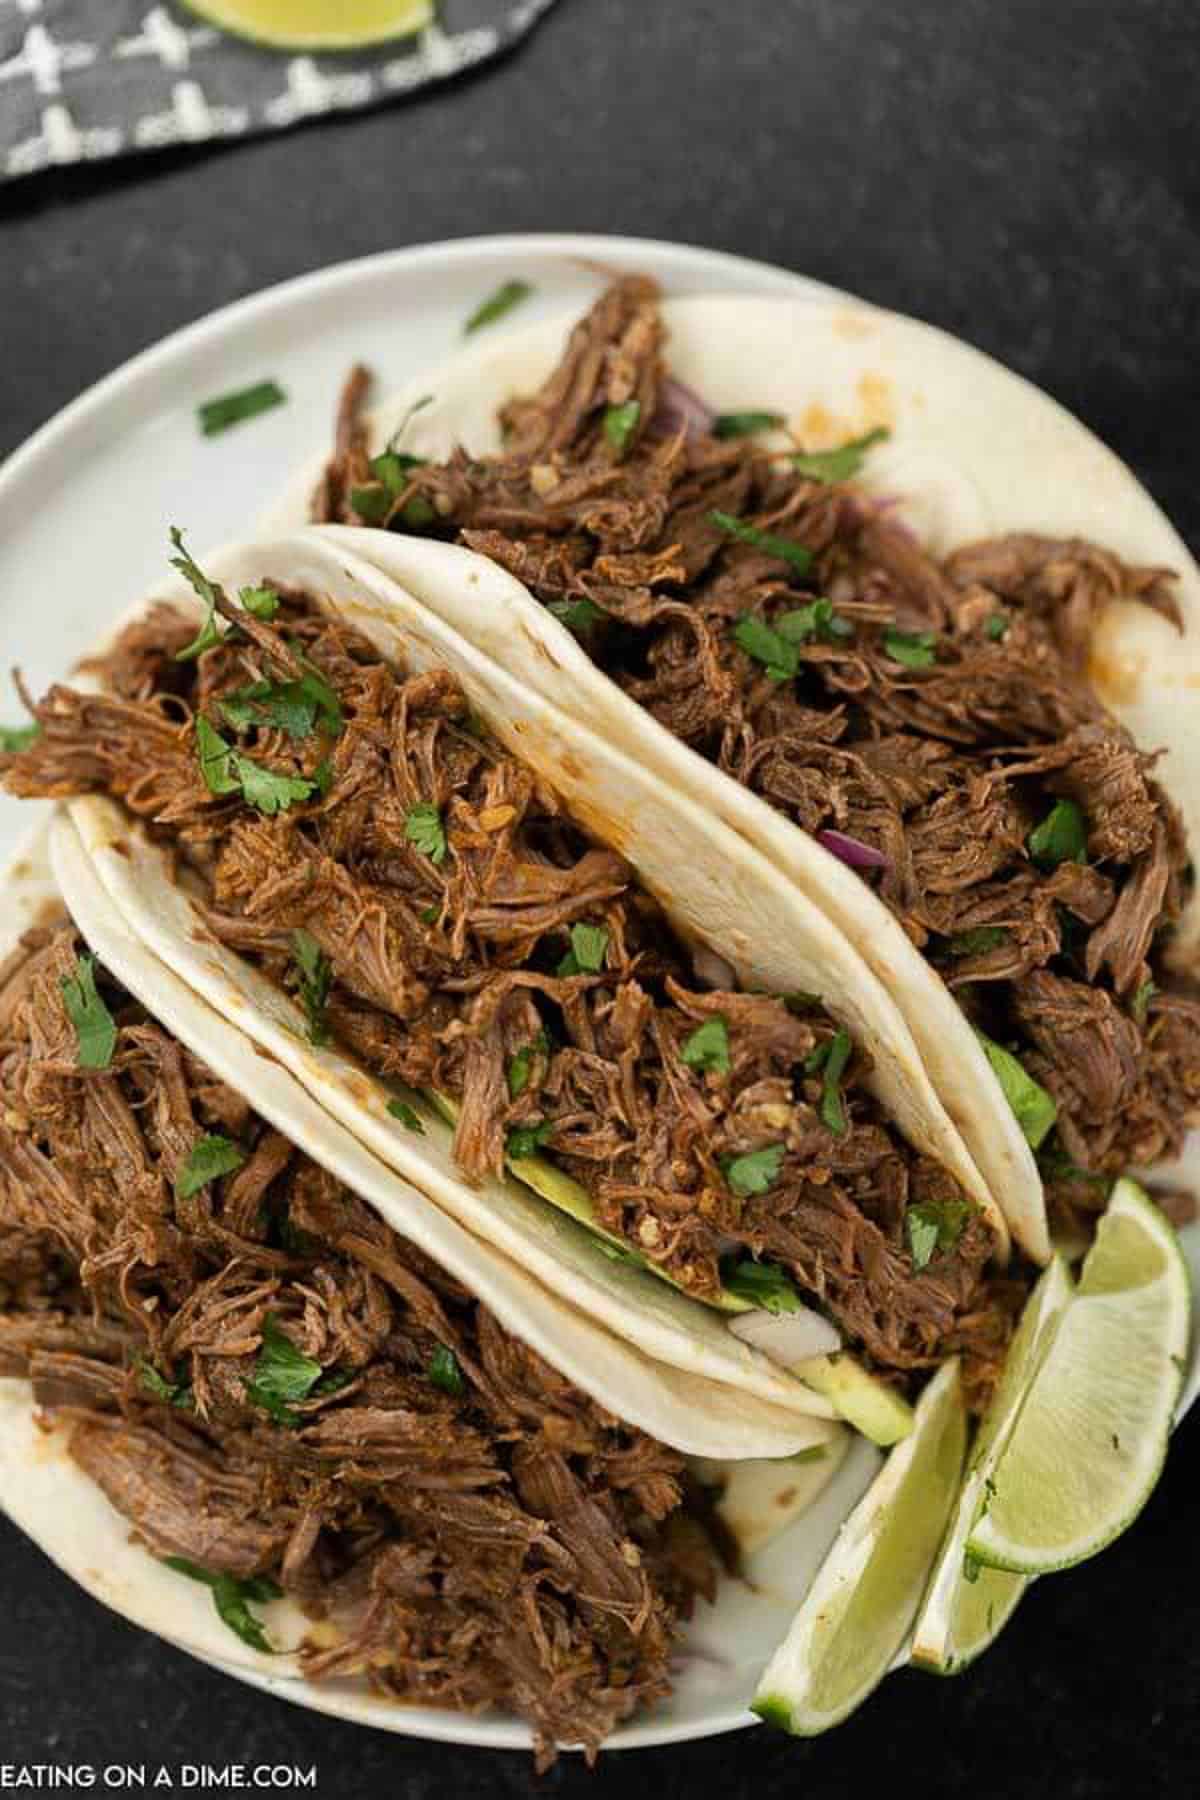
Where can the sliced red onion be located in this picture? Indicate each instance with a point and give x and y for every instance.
(850, 850)
(679, 409)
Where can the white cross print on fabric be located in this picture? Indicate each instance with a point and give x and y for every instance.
(191, 120)
(60, 141)
(309, 92)
(438, 55)
(163, 37)
(45, 61)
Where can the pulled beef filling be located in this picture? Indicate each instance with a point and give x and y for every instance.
(492, 1539)
(943, 748)
(460, 934)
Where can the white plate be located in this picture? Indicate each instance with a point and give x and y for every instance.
(85, 507)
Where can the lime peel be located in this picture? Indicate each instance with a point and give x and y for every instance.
(859, 1609)
(1091, 1438)
(316, 25)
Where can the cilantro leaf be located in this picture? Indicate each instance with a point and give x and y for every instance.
(95, 1027)
(764, 1283)
(17, 737)
(786, 549)
(841, 464)
(216, 759)
(232, 1598)
(997, 626)
(1034, 1108)
(511, 294)
(831, 1057)
(424, 829)
(817, 619)
(778, 656)
(268, 792)
(579, 616)
(708, 1046)
(620, 423)
(755, 1171)
(589, 945)
(209, 1156)
(527, 1140)
(444, 1372)
(390, 473)
(246, 403)
(934, 1225)
(210, 633)
(745, 424)
(1061, 836)
(977, 941)
(283, 1375)
(1141, 1000)
(521, 1065)
(259, 602)
(171, 1393)
(316, 979)
(407, 1115)
(915, 649)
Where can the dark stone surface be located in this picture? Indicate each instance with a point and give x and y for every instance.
(1021, 173)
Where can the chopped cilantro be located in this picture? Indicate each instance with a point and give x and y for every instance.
(997, 626)
(209, 1156)
(210, 633)
(17, 737)
(390, 473)
(259, 602)
(1033, 1107)
(270, 793)
(1061, 836)
(95, 1027)
(171, 1393)
(620, 423)
(1056, 1165)
(817, 619)
(778, 656)
(589, 944)
(763, 1283)
(915, 649)
(232, 1598)
(283, 1375)
(527, 1140)
(934, 1225)
(231, 409)
(316, 979)
(445, 1373)
(977, 941)
(830, 1059)
(745, 424)
(579, 616)
(755, 1171)
(786, 549)
(511, 294)
(216, 759)
(407, 1115)
(424, 829)
(841, 464)
(290, 706)
(1141, 1000)
(520, 1067)
(708, 1046)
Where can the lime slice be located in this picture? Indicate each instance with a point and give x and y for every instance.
(966, 1606)
(861, 1398)
(860, 1607)
(1091, 1437)
(316, 24)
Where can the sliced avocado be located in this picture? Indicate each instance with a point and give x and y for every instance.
(860, 1397)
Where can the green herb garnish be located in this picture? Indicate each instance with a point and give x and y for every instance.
(755, 1171)
(445, 1373)
(424, 829)
(521, 1065)
(268, 792)
(390, 475)
(95, 1027)
(830, 1059)
(765, 1284)
(934, 1225)
(1141, 1001)
(786, 549)
(708, 1046)
(997, 626)
(977, 941)
(620, 423)
(745, 424)
(171, 1393)
(210, 633)
(407, 1115)
(1033, 1107)
(579, 616)
(841, 464)
(283, 1375)
(17, 737)
(817, 619)
(231, 409)
(259, 602)
(589, 943)
(316, 979)
(496, 305)
(915, 649)
(527, 1140)
(1061, 836)
(209, 1156)
(778, 655)
(291, 706)
(233, 1598)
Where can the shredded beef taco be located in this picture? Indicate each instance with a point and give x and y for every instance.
(426, 891)
(293, 1432)
(893, 616)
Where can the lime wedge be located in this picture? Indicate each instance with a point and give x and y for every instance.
(1090, 1440)
(316, 24)
(966, 1606)
(860, 1607)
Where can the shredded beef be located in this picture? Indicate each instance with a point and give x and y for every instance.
(507, 1544)
(945, 767)
(451, 967)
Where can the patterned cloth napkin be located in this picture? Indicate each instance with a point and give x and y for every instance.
(81, 80)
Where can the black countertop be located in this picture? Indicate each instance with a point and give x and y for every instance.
(1026, 175)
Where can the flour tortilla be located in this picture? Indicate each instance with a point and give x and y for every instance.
(974, 451)
(719, 890)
